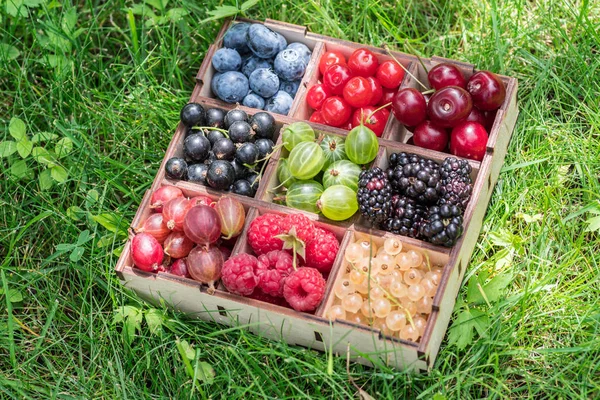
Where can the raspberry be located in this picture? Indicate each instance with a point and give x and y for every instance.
(304, 289)
(238, 274)
(262, 232)
(305, 229)
(272, 270)
(322, 250)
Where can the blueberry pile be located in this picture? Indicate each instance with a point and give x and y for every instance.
(223, 150)
(258, 68)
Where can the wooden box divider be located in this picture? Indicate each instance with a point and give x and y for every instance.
(364, 344)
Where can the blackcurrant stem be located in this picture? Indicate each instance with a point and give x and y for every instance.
(380, 108)
(213, 128)
(282, 183)
(386, 47)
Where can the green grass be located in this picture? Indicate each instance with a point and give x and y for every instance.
(115, 89)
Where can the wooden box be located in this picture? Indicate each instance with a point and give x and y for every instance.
(365, 345)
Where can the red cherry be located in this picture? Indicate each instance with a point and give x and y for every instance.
(316, 95)
(357, 92)
(377, 90)
(490, 117)
(487, 90)
(445, 74)
(469, 139)
(376, 122)
(409, 107)
(430, 136)
(387, 97)
(335, 111)
(363, 63)
(336, 77)
(476, 116)
(390, 74)
(317, 118)
(330, 58)
(449, 106)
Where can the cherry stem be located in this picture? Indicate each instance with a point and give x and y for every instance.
(378, 109)
(386, 47)
(428, 91)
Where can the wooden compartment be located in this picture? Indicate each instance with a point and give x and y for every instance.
(364, 344)
(292, 33)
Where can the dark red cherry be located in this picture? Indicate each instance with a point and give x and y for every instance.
(445, 74)
(477, 116)
(469, 139)
(487, 90)
(449, 106)
(430, 136)
(409, 107)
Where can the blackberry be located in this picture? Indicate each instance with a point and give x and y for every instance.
(456, 182)
(415, 177)
(406, 217)
(444, 225)
(374, 195)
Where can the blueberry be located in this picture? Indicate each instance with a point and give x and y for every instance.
(224, 149)
(176, 168)
(240, 132)
(264, 82)
(220, 174)
(262, 41)
(235, 115)
(226, 60)
(232, 87)
(253, 63)
(282, 43)
(243, 188)
(247, 153)
(214, 117)
(263, 125)
(241, 171)
(265, 147)
(290, 87)
(192, 114)
(196, 147)
(197, 173)
(280, 103)
(214, 81)
(301, 48)
(289, 65)
(235, 37)
(253, 100)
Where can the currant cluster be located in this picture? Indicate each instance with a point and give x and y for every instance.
(417, 197)
(354, 90)
(388, 288)
(459, 112)
(291, 256)
(188, 237)
(226, 151)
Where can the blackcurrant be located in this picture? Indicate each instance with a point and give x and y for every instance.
(176, 168)
(263, 125)
(233, 116)
(224, 149)
(215, 117)
(241, 171)
(240, 132)
(247, 153)
(197, 173)
(213, 136)
(253, 178)
(242, 187)
(192, 114)
(193, 130)
(211, 157)
(265, 147)
(220, 174)
(196, 147)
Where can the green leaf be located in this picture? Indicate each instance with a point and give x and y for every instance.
(154, 319)
(65, 247)
(8, 52)
(75, 213)
(593, 224)
(43, 156)
(480, 321)
(187, 354)
(7, 148)
(63, 147)
(205, 372)
(24, 147)
(131, 317)
(45, 179)
(530, 218)
(19, 169)
(438, 396)
(158, 4)
(16, 128)
(188, 350)
(76, 254)
(16, 8)
(59, 174)
(461, 333)
(69, 20)
(91, 198)
(176, 14)
(221, 12)
(14, 296)
(43, 137)
(106, 240)
(34, 3)
(141, 9)
(83, 237)
(248, 4)
(493, 289)
(111, 221)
